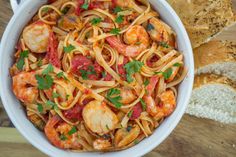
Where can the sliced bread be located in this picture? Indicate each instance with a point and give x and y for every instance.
(213, 97)
(204, 19)
(218, 57)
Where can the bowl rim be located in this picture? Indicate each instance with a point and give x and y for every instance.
(148, 148)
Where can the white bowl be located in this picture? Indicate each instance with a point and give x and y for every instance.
(17, 114)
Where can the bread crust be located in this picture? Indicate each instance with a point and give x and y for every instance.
(204, 19)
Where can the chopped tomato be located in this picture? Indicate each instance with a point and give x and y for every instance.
(137, 110)
(86, 101)
(121, 68)
(79, 9)
(152, 60)
(80, 61)
(94, 5)
(151, 86)
(52, 54)
(108, 77)
(74, 113)
(93, 69)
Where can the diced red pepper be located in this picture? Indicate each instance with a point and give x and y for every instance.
(137, 110)
(74, 113)
(80, 61)
(121, 68)
(52, 54)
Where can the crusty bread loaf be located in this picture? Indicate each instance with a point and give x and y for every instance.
(204, 19)
(217, 57)
(213, 97)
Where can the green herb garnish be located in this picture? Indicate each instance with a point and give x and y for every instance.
(61, 75)
(131, 68)
(63, 137)
(85, 6)
(164, 44)
(165, 74)
(85, 73)
(72, 131)
(104, 74)
(40, 107)
(129, 128)
(117, 9)
(21, 62)
(150, 27)
(48, 70)
(115, 31)
(96, 21)
(40, 62)
(45, 10)
(119, 19)
(136, 141)
(55, 95)
(130, 113)
(65, 10)
(146, 82)
(177, 65)
(69, 48)
(107, 127)
(144, 106)
(44, 81)
(113, 95)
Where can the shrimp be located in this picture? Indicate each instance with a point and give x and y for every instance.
(168, 103)
(24, 87)
(122, 3)
(36, 37)
(101, 144)
(99, 118)
(55, 135)
(157, 30)
(123, 136)
(137, 39)
(152, 108)
(127, 96)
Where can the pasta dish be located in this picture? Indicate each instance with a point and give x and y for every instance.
(97, 75)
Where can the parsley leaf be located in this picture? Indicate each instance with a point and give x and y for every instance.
(85, 73)
(61, 75)
(40, 107)
(69, 48)
(117, 9)
(50, 103)
(146, 82)
(115, 31)
(119, 19)
(150, 27)
(48, 70)
(107, 127)
(55, 95)
(63, 137)
(104, 74)
(167, 73)
(65, 10)
(131, 68)
(130, 113)
(113, 95)
(85, 6)
(164, 44)
(40, 62)
(129, 128)
(136, 141)
(21, 61)
(144, 106)
(72, 131)
(177, 65)
(45, 10)
(44, 81)
(96, 21)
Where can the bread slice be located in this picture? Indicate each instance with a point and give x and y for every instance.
(213, 97)
(218, 57)
(203, 19)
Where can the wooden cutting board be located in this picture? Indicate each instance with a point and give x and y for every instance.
(193, 137)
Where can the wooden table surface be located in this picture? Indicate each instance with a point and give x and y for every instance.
(193, 137)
